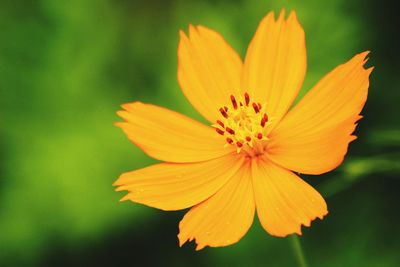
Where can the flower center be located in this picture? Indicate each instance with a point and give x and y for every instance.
(243, 124)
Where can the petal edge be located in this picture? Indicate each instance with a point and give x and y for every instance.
(313, 137)
(172, 186)
(169, 136)
(224, 218)
(284, 201)
(209, 70)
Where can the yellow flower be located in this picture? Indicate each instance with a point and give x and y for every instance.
(245, 161)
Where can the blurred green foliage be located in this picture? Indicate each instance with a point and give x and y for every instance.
(66, 66)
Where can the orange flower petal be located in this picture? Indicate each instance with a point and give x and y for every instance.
(209, 70)
(275, 64)
(314, 136)
(169, 136)
(171, 186)
(284, 201)
(224, 218)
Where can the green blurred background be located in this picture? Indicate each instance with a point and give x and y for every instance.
(66, 66)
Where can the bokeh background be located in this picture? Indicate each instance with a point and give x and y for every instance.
(66, 66)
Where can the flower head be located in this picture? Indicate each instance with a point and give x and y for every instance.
(245, 160)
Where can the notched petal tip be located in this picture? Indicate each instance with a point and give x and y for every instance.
(192, 31)
(126, 106)
(125, 198)
(183, 41)
(182, 33)
(181, 241)
(370, 69)
(281, 16)
(120, 188)
(116, 183)
(183, 238)
(293, 21)
(365, 53)
(122, 180)
(359, 59)
(268, 18)
(304, 224)
(199, 247)
(353, 137)
(321, 217)
(130, 105)
(292, 15)
(118, 124)
(121, 112)
(362, 57)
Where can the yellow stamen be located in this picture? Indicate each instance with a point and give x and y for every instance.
(243, 124)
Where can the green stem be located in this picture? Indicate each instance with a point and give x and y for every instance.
(298, 251)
